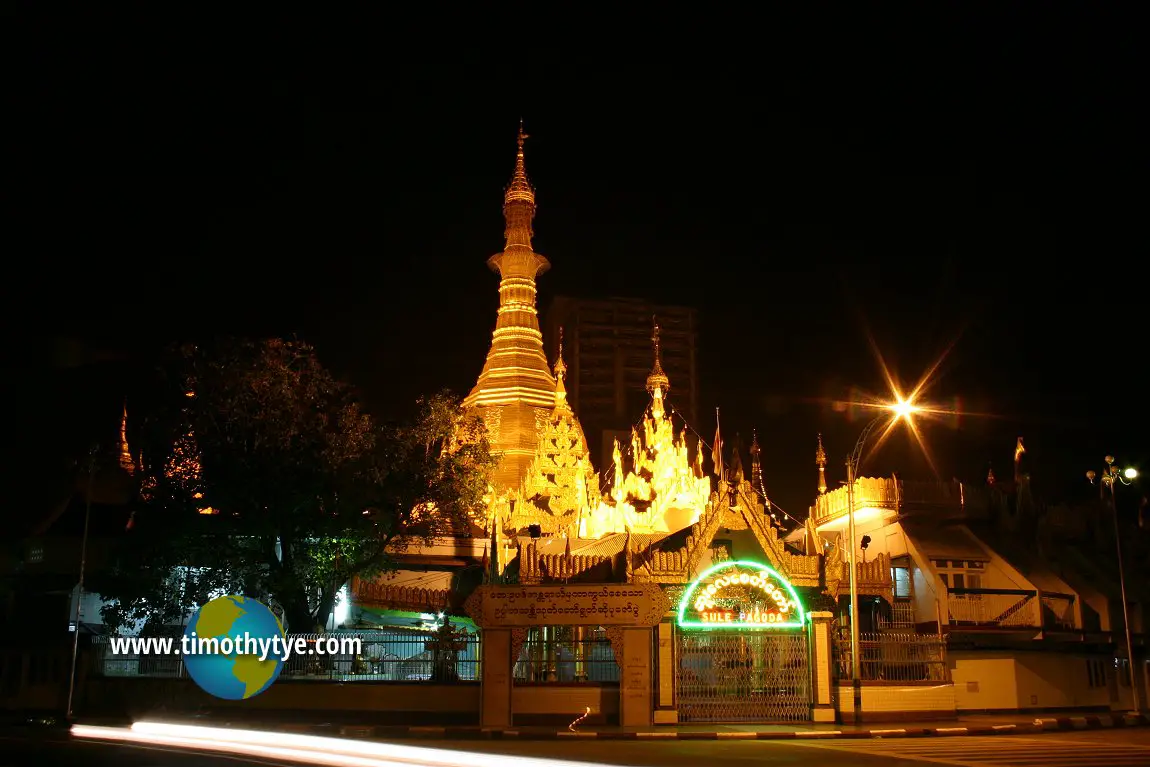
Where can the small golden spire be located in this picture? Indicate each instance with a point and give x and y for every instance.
(560, 365)
(127, 463)
(821, 462)
(658, 380)
(561, 405)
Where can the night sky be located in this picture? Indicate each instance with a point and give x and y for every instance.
(970, 187)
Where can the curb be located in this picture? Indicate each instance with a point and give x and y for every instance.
(1060, 724)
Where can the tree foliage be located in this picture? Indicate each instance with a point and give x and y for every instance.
(263, 476)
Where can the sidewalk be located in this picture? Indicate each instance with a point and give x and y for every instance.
(968, 725)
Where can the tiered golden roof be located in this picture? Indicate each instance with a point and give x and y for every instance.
(661, 491)
(560, 483)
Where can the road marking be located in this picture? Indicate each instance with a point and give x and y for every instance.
(1000, 751)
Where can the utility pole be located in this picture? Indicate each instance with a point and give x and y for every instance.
(80, 585)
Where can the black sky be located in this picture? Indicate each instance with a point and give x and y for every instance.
(966, 180)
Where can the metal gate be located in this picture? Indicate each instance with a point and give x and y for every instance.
(743, 676)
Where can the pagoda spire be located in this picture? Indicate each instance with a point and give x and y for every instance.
(658, 384)
(516, 381)
(821, 462)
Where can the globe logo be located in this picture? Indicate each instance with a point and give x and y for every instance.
(223, 645)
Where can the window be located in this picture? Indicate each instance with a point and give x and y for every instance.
(960, 574)
(901, 578)
(1096, 672)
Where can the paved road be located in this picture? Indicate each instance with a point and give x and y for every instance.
(1129, 748)
(43, 752)
(1097, 748)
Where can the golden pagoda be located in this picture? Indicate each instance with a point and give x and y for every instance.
(661, 490)
(515, 393)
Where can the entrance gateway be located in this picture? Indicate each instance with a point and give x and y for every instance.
(743, 647)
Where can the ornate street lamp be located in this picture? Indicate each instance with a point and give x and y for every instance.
(1111, 475)
(902, 410)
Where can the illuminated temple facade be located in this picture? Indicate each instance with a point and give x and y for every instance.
(651, 516)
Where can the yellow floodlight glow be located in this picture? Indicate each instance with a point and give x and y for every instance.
(903, 408)
(1131, 473)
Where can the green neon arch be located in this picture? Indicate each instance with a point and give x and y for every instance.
(688, 596)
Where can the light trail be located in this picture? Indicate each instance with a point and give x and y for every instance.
(309, 749)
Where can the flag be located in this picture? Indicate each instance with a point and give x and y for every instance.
(1019, 450)
(717, 448)
(131, 522)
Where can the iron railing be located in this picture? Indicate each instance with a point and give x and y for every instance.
(1000, 608)
(896, 658)
(901, 616)
(383, 656)
(1058, 611)
(565, 655)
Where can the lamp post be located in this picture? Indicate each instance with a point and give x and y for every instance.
(901, 409)
(80, 584)
(1111, 475)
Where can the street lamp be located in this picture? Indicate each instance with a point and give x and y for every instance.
(1110, 476)
(902, 409)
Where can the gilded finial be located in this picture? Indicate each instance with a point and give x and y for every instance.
(755, 449)
(658, 380)
(520, 188)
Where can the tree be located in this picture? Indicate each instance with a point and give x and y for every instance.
(263, 476)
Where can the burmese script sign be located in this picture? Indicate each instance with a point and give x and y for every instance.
(737, 594)
(640, 604)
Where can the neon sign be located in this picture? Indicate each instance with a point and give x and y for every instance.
(738, 595)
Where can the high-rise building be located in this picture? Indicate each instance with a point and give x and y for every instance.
(607, 344)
